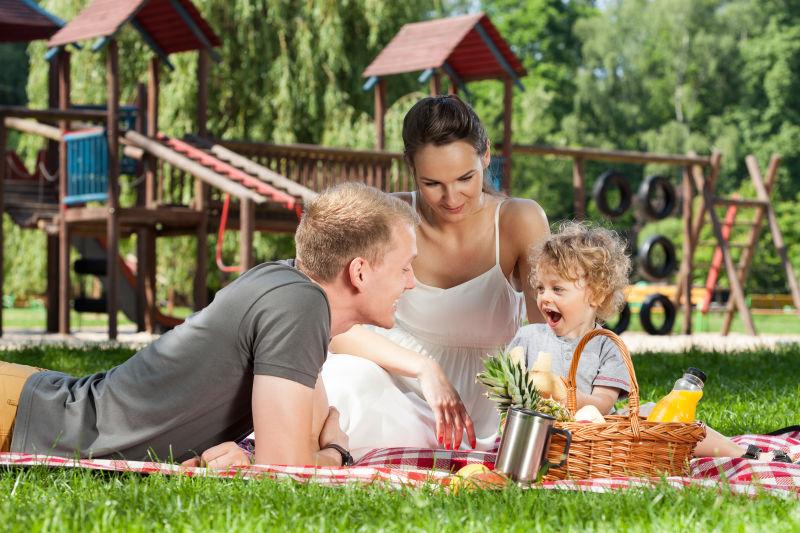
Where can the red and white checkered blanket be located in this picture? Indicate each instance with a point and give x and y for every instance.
(410, 467)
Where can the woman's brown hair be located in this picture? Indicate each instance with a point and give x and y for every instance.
(441, 120)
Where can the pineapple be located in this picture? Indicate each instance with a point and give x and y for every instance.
(510, 385)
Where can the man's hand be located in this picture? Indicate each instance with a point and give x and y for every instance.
(451, 415)
(332, 432)
(221, 456)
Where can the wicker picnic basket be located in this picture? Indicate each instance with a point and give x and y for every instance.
(623, 445)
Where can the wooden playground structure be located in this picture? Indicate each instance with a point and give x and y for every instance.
(187, 183)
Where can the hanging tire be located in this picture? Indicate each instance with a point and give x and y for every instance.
(646, 319)
(623, 320)
(606, 183)
(647, 264)
(647, 198)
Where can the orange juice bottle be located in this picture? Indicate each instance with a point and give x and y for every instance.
(680, 404)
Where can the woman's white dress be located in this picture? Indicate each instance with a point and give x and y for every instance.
(457, 327)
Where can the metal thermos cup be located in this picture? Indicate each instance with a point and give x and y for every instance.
(524, 445)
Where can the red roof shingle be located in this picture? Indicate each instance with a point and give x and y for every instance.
(22, 22)
(159, 18)
(455, 40)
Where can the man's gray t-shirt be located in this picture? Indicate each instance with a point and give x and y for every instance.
(190, 389)
(600, 364)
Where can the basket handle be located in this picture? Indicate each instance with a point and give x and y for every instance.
(633, 395)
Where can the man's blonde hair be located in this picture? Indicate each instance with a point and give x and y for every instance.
(348, 221)
(595, 254)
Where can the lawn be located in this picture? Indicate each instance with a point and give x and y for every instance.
(746, 392)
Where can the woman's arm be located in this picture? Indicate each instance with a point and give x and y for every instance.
(523, 225)
(448, 409)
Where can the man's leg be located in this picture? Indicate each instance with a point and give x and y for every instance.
(12, 379)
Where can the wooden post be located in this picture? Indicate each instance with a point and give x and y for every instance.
(579, 187)
(380, 113)
(63, 228)
(52, 283)
(3, 140)
(246, 226)
(746, 259)
(152, 130)
(112, 220)
(688, 250)
(201, 189)
(141, 200)
(202, 92)
(452, 88)
(508, 94)
(52, 103)
(436, 83)
(147, 264)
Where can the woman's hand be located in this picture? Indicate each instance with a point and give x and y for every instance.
(451, 415)
(221, 456)
(332, 432)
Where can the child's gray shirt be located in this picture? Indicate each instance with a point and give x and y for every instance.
(600, 364)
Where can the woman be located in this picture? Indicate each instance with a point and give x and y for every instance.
(414, 385)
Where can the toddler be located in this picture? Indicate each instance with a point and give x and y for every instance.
(579, 274)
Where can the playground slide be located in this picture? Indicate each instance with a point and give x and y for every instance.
(93, 248)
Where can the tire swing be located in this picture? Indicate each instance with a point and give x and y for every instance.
(623, 320)
(606, 183)
(646, 319)
(656, 198)
(647, 263)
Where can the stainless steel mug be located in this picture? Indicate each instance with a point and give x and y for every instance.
(524, 445)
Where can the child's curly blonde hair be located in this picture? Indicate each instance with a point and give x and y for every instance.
(596, 255)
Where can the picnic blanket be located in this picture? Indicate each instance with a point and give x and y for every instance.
(411, 467)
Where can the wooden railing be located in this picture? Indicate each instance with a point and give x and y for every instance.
(318, 167)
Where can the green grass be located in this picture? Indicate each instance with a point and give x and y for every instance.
(773, 323)
(35, 318)
(746, 392)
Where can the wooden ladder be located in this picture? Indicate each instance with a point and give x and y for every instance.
(737, 274)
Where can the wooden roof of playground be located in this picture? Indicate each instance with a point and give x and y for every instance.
(168, 26)
(468, 46)
(24, 21)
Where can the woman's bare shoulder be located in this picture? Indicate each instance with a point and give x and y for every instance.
(525, 218)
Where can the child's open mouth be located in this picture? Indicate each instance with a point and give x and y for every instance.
(552, 317)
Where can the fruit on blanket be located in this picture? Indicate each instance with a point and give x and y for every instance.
(547, 383)
(476, 476)
(589, 413)
(509, 385)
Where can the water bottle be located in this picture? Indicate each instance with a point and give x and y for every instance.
(680, 404)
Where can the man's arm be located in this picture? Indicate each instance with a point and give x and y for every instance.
(282, 418)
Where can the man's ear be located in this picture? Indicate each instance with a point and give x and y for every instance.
(358, 271)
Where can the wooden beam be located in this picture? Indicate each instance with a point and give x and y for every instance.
(88, 115)
(618, 156)
(112, 222)
(579, 188)
(63, 229)
(246, 226)
(195, 29)
(487, 40)
(147, 264)
(508, 94)
(141, 127)
(33, 127)
(380, 114)
(52, 103)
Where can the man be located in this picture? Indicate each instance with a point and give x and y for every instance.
(250, 360)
